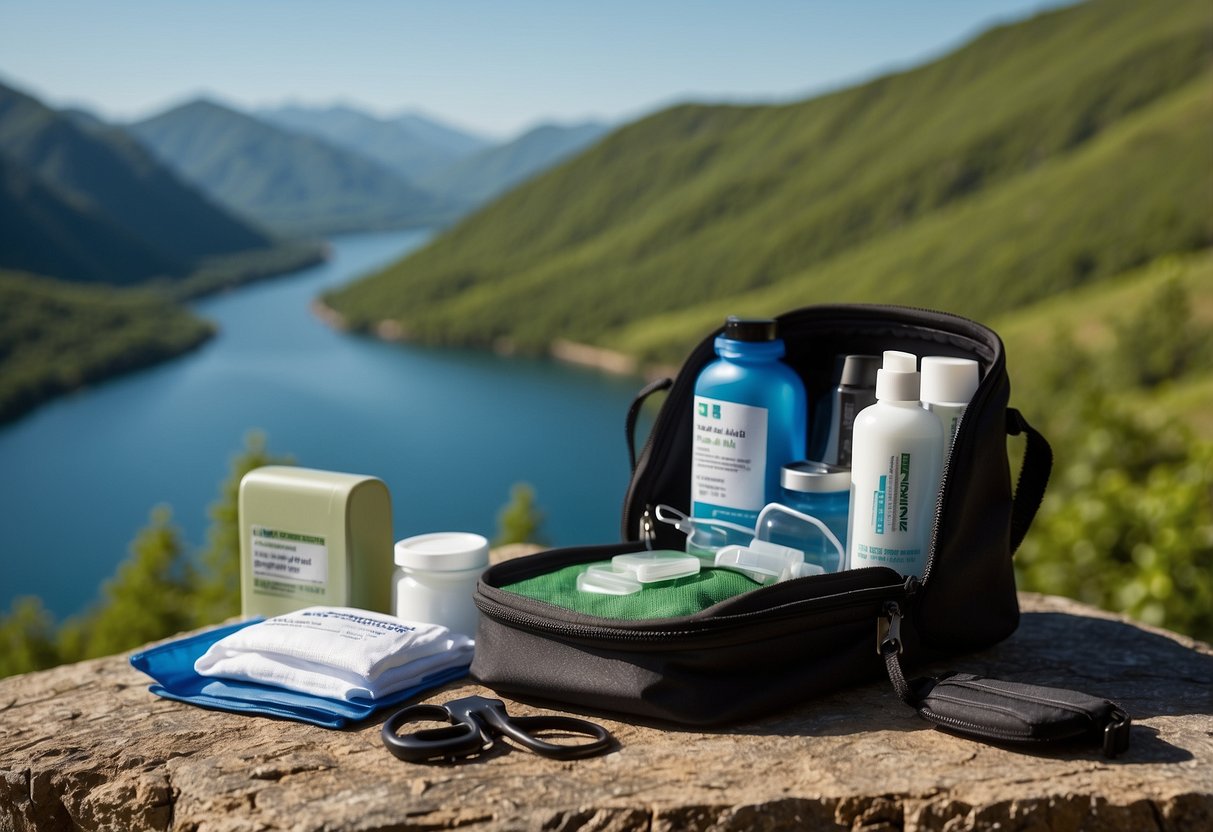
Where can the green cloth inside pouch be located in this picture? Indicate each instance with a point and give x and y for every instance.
(665, 599)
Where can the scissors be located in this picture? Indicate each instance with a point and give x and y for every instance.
(476, 721)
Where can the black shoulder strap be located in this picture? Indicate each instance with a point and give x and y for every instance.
(634, 413)
(1033, 476)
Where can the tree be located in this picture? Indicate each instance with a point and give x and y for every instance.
(159, 590)
(520, 520)
(1160, 341)
(217, 596)
(1124, 536)
(1127, 524)
(149, 598)
(27, 638)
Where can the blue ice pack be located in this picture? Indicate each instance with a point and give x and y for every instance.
(172, 666)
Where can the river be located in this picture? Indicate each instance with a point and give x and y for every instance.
(449, 431)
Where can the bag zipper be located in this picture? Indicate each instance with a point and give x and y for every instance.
(545, 625)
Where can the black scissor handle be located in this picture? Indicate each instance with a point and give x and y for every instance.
(476, 720)
(460, 739)
(523, 730)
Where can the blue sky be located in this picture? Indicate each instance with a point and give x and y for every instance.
(493, 67)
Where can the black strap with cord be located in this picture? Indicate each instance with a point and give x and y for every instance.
(634, 412)
(1033, 476)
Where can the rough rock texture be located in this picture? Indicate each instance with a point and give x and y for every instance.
(86, 746)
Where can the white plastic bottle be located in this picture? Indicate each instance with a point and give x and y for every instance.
(948, 384)
(895, 471)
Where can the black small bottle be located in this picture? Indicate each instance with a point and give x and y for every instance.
(855, 389)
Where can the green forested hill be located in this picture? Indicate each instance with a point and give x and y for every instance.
(1042, 156)
(56, 336)
(45, 232)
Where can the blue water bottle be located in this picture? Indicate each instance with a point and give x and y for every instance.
(750, 417)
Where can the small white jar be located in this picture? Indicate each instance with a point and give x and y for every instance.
(436, 578)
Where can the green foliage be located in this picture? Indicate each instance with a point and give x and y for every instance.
(27, 638)
(149, 598)
(1162, 344)
(1128, 520)
(55, 337)
(1044, 155)
(216, 595)
(160, 589)
(520, 520)
(228, 271)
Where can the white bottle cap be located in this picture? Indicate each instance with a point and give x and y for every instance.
(949, 380)
(896, 386)
(902, 362)
(443, 552)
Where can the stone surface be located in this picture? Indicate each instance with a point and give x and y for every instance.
(86, 746)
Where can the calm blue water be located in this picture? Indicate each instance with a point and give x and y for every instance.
(448, 431)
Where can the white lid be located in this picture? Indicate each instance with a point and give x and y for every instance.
(902, 362)
(443, 552)
(895, 386)
(605, 579)
(660, 565)
(949, 380)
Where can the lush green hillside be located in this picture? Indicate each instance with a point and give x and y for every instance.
(1096, 320)
(103, 171)
(292, 183)
(1042, 156)
(57, 336)
(45, 232)
(412, 146)
(490, 173)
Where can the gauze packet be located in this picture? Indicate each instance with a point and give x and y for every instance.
(336, 652)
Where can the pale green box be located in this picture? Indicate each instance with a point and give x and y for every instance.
(312, 537)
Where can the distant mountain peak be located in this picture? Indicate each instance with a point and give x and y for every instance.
(413, 146)
(287, 178)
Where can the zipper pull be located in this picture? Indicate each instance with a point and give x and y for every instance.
(888, 630)
(647, 533)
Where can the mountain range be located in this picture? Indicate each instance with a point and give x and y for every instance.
(293, 183)
(479, 178)
(90, 204)
(411, 145)
(313, 171)
(1041, 156)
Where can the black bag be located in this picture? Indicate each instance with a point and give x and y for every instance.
(783, 643)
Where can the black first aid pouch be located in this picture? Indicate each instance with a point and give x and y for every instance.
(725, 654)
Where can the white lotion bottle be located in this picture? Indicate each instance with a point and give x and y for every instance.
(948, 385)
(895, 471)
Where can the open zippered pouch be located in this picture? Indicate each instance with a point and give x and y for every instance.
(745, 655)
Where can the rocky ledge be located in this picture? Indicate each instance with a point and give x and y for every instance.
(87, 747)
